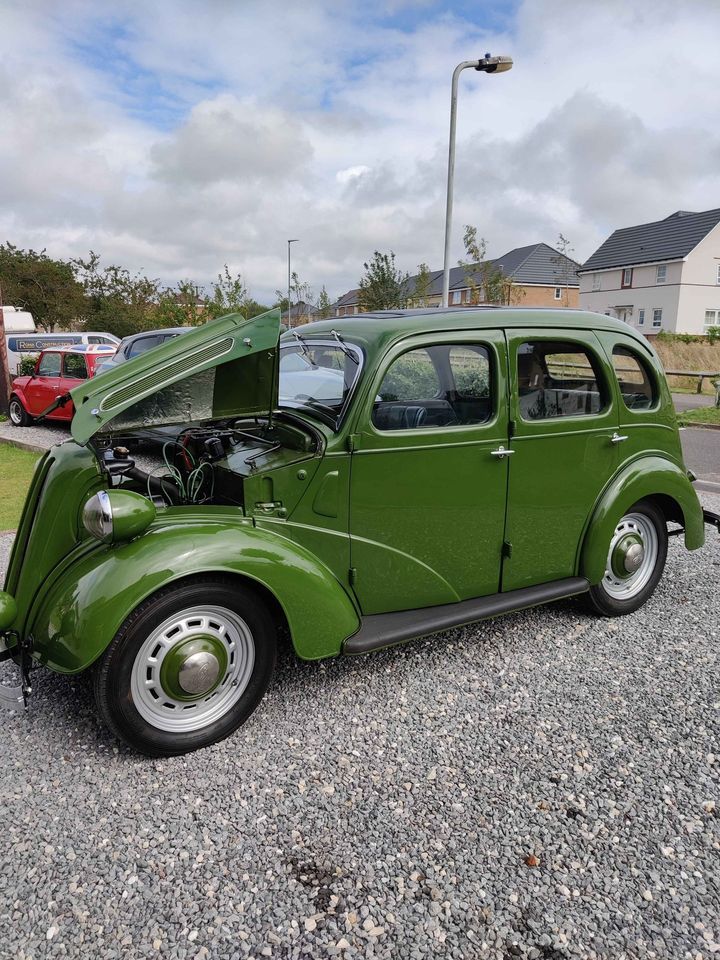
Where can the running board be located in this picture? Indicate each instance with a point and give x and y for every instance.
(386, 629)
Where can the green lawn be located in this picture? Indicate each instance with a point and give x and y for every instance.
(16, 470)
(701, 415)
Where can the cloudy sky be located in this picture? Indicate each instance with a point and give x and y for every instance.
(176, 135)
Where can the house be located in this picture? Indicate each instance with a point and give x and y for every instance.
(300, 313)
(348, 304)
(541, 277)
(657, 276)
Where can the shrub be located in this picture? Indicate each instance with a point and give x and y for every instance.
(26, 367)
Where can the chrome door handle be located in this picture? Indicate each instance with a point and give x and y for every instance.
(617, 438)
(501, 452)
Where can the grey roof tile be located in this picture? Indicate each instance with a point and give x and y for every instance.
(668, 239)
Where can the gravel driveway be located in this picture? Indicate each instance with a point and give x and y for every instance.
(543, 785)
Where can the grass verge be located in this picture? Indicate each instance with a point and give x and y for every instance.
(16, 470)
(701, 415)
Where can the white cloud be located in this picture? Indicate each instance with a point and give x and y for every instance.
(200, 134)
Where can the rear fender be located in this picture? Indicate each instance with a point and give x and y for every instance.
(84, 609)
(644, 478)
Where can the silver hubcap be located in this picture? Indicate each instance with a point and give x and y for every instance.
(639, 559)
(198, 672)
(15, 411)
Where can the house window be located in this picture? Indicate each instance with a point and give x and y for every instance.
(627, 277)
(712, 319)
(558, 293)
(596, 282)
(657, 317)
(455, 296)
(717, 279)
(641, 317)
(661, 273)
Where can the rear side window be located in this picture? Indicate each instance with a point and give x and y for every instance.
(637, 384)
(558, 379)
(75, 366)
(440, 386)
(50, 365)
(145, 343)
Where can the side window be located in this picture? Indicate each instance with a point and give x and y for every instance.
(637, 385)
(75, 366)
(143, 344)
(440, 386)
(558, 379)
(50, 365)
(470, 369)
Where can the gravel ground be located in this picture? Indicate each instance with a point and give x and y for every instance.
(543, 785)
(44, 435)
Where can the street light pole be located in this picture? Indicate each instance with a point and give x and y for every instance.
(289, 275)
(488, 64)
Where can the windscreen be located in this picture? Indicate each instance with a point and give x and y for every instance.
(318, 377)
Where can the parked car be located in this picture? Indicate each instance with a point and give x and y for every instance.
(21, 345)
(138, 343)
(456, 465)
(57, 372)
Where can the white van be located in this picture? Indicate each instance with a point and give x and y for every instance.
(21, 345)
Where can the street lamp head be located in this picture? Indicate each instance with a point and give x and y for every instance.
(490, 64)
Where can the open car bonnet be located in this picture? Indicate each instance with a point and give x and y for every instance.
(225, 368)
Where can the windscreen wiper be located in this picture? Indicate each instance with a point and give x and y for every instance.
(341, 344)
(304, 348)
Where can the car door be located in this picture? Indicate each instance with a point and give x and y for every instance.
(45, 386)
(427, 489)
(75, 371)
(563, 438)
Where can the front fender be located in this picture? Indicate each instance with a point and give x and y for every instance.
(84, 609)
(644, 477)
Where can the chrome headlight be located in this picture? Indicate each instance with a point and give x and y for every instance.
(113, 516)
(97, 517)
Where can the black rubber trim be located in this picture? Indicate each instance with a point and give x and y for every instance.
(712, 518)
(385, 629)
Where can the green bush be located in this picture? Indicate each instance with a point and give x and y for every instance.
(713, 334)
(26, 367)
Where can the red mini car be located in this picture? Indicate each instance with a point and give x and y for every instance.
(56, 373)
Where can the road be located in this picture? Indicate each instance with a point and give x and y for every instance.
(701, 449)
(691, 401)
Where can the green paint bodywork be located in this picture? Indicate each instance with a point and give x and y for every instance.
(337, 524)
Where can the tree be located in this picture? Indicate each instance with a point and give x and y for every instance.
(228, 295)
(45, 287)
(383, 286)
(421, 290)
(117, 301)
(487, 283)
(564, 265)
(324, 307)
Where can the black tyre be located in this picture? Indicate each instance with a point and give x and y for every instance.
(635, 562)
(187, 667)
(19, 417)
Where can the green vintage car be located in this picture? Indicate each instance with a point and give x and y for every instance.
(349, 486)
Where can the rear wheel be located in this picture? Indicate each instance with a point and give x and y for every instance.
(635, 562)
(19, 416)
(187, 667)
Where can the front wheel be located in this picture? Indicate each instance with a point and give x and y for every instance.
(19, 416)
(187, 667)
(635, 562)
